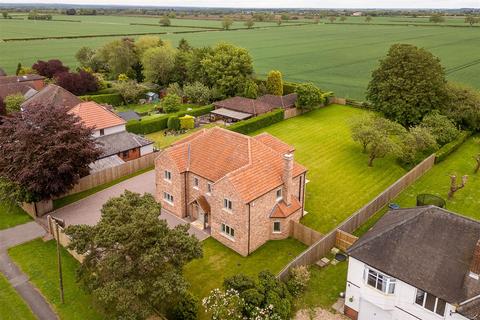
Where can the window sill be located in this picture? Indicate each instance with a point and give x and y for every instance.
(277, 232)
(227, 210)
(168, 202)
(208, 194)
(166, 180)
(196, 188)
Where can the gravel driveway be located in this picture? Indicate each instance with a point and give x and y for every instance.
(87, 210)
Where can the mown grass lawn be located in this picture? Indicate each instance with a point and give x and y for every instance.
(12, 215)
(38, 260)
(340, 180)
(140, 108)
(12, 307)
(220, 262)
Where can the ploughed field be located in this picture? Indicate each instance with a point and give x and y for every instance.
(337, 57)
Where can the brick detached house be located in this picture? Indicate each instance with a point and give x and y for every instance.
(243, 190)
(419, 263)
(118, 145)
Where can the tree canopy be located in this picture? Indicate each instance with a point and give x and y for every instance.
(133, 260)
(45, 150)
(408, 84)
(274, 83)
(158, 64)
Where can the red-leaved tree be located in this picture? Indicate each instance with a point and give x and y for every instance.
(77, 83)
(49, 68)
(44, 150)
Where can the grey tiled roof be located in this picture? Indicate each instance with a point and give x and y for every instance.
(118, 142)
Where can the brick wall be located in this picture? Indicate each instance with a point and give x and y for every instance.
(175, 187)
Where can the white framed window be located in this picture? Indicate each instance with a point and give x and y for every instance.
(209, 187)
(167, 175)
(168, 197)
(380, 281)
(277, 227)
(227, 204)
(227, 230)
(279, 194)
(430, 302)
(196, 182)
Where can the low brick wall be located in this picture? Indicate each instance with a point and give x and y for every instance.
(38, 209)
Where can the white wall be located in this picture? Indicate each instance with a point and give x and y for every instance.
(373, 304)
(111, 130)
(146, 149)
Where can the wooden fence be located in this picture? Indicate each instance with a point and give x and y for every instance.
(344, 240)
(303, 233)
(62, 238)
(109, 174)
(319, 249)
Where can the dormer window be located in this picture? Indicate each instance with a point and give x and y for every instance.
(279, 195)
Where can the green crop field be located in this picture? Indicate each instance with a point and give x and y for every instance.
(337, 57)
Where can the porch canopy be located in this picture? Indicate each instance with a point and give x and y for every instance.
(232, 114)
(203, 203)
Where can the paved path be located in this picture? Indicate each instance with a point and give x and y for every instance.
(10, 238)
(87, 210)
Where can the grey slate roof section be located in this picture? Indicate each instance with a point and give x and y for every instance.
(237, 115)
(129, 115)
(427, 247)
(105, 163)
(118, 142)
(53, 95)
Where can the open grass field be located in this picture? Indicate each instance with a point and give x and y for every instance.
(337, 57)
(12, 307)
(340, 180)
(38, 260)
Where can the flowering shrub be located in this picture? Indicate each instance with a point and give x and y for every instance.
(298, 281)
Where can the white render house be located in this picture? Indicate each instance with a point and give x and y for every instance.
(419, 263)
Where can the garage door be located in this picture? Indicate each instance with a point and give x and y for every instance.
(369, 311)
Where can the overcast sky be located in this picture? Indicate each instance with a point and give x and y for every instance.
(277, 3)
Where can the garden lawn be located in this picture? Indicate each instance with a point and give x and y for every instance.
(220, 262)
(12, 215)
(340, 180)
(139, 108)
(38, 260)
(324, 287)
(12, 307)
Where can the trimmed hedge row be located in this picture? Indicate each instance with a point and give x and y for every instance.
(114, 99)
(161, 123)
(256, 123)
(452, 146)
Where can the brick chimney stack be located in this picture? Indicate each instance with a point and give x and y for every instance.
(475, 264)
(288, 178)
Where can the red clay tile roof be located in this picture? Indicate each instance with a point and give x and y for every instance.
(274, 143)
(281, 210)
(245, 105)
(96, 116)
(203, 203)
(252, 166)
(53, 95)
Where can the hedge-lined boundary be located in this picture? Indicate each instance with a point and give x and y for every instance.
(256, 123)
(174, 26)
(416, 24)
(114, 99)
(452, 146)
(161, 123)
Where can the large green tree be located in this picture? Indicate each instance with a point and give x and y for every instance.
(119, 56)
(227, 67)
(408, 84)
(133, 260)
(158, 64)
(463, 106)
(274, 83)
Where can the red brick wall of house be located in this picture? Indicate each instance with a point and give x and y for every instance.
(349, 312)
(175, 187)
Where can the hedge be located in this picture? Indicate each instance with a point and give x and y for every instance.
(450, 147)
(161, 123)
(256, 123)
(114, 99)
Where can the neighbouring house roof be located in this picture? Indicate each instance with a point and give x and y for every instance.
(237, 115)
(2, 73)
(257, 106)
(104, 163)
(118, 142)
(53, 95)
(427, 247)
(96, 116)
(14, 79)
(286, 101)
(281, 210)
(13, 88)
(245, 105)
(252, 166)
(129, 115)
